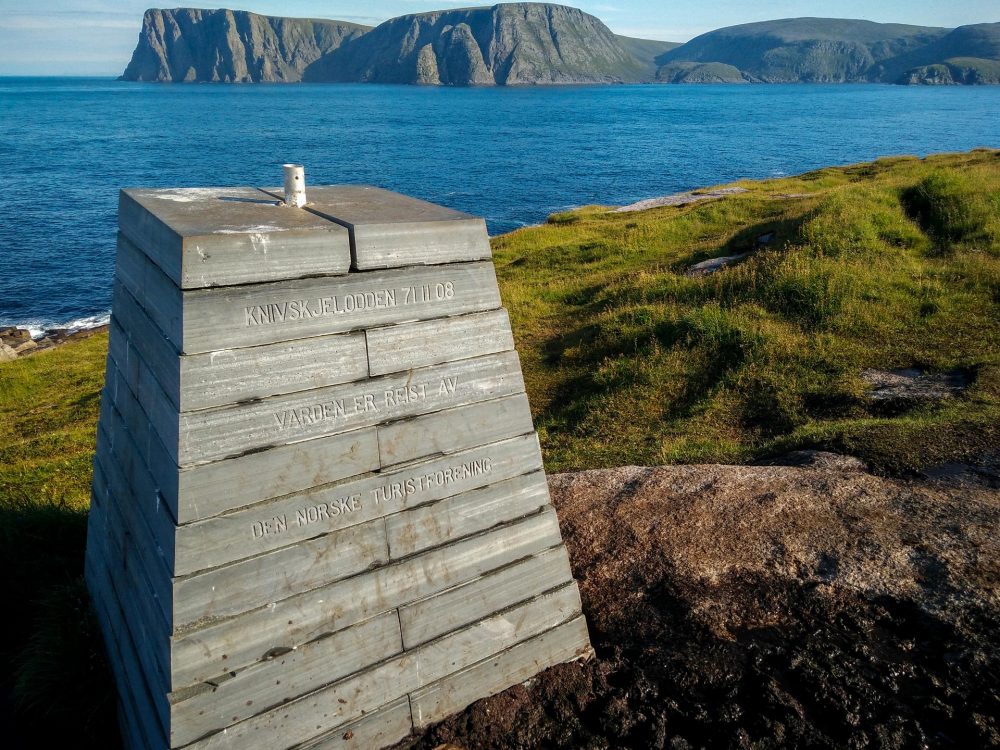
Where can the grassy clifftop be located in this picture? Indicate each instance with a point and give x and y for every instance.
(628, 360)
(888, 265)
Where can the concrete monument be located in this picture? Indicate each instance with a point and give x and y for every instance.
(319, 514)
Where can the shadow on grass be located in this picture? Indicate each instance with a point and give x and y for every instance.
(58, 687)
(768, 234)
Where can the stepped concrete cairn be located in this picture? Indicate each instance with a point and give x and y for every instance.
(319, 513)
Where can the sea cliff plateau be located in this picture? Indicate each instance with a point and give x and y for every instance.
(545, 44)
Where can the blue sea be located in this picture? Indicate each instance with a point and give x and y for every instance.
(511, 155)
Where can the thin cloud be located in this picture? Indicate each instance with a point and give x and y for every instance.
(68, 20)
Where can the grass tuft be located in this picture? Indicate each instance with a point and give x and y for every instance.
(955, 210)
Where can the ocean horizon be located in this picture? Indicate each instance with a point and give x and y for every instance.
(512, 155)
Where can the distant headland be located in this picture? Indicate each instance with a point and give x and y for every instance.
(544, 44)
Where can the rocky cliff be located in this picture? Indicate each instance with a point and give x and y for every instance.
(833, 50)
(810, 50)
(969, 54)
(188, 44)
(508, 44)
(540, 43)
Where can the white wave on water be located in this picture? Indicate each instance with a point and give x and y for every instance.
(38, 328)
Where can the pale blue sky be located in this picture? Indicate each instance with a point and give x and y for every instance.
(72, 37)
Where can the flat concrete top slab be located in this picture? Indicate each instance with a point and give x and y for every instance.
(355, 205)
(389, 230)
(195, 212)
(220, 236)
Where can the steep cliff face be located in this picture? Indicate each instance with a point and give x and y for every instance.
(509, 44)
(539, 43)
(969, 54)
(189, 45)
(810, 50)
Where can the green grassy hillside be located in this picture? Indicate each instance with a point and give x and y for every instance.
(838, 50)
(894, 264)
(810, 50)
(627, 360)
(969, 54)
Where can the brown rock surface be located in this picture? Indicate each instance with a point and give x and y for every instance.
(769, 606)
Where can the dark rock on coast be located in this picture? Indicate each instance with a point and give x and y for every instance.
(681, 199)
(17, 342)
(803, 605)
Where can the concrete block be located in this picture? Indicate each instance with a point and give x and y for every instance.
(152, 289)
(98, 490)
(381, 728)
(147, 713)
(268, 578)
(389, 230)
(203, 237)
(131, 483)
(148, 555)
(456, 607)
(212, 434)
(275, 472)
(113, 554)
(229, 645)
(135, 337)
(250, 315)
(371, 689)
(439, 700)
(411, 345)
(206, 708)
(431, 525)
(210, 489)
(130, 265)
(453, 429)
(300, 516)
(493, 634)
(118, 347)
(136, 719)
(148, 642)
(318, 495)
(230, 376)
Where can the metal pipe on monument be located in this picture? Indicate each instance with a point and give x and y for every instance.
(295, 185)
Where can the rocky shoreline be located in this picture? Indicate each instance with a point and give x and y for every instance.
(18, 342)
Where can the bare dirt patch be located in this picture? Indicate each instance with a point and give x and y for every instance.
(813, 605)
